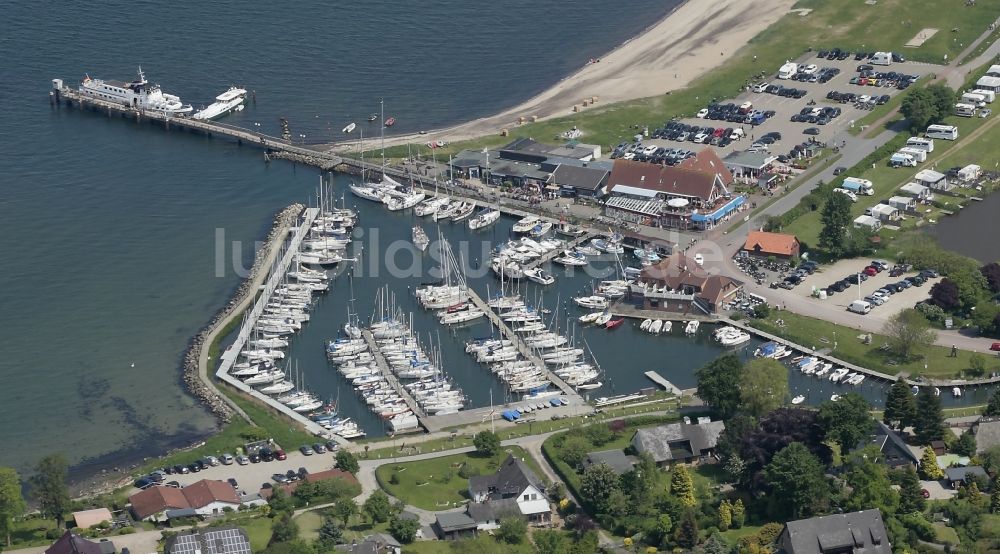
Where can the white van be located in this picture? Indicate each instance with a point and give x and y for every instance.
(902, 160)
(881, 58)
(918, 154)
(737, 134)
(925, 144)
(788, 70)
(860, 307)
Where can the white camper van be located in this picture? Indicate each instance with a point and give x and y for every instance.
(881, 58)
(977, 100)
(965, 110)
(925, 144)
(989, 95)
(902, 160)
(918, 154)
(860, 307)
(944, 132)
(788, 70)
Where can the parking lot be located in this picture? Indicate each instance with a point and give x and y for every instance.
(814, 96)
(828, 274)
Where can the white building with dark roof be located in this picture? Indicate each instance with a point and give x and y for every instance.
(513, 481)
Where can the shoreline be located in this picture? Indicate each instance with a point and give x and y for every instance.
(667, 56)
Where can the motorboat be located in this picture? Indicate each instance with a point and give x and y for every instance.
(540, 228)
(525, 224)
(350, 127)
(692, 327)
(614, 323)
(656, 327)
(570, 230)
(570, 259)
(225, 103)
(484, 218)
(420, 239)
(592, 302)
(956, 392)
(390, 122)
(540, 276)
(603, 319)
(798, 399)
(589, 318)
(834, 397)
(406, 201)
(644, 326)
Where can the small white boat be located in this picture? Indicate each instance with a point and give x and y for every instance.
(464, 211)
(350, 127)
(420, 239)
(956, 392)
(592, 302)
(657, 327)
(483, 219)
(692, 327)
(539, 276)
(603, 318)
(834, 397)
(590, 386)
(645, 324)
(798, 399)
(525, 225)
(406, 201)
(589, 318)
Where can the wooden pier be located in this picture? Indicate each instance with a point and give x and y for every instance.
(662, 381)
(389, 376)
(522, 348)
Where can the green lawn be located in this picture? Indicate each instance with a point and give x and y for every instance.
(733, 535)
(309, 524)
(259, 532)
(945, 534)
(482, 543)
(359, 527)
(816, 332)
(436, 484)
(31, 532)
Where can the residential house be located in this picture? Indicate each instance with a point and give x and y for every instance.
(895, 452)
(617, 460)
(89, 518)
(378, 543)
(933, 180)
(678, 284)
(71, 543)
(679, 442)
(762, 244)
(987, 432)
(514, 480)
(884, 212)
(216, 540)
(852, 533)
(451, 526)
(205, 497)
(959, 476)
(919, 192)
(690, 195)
(867, 222)
(903, 203)
(487, 515)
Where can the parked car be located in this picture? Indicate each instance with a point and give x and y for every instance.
(232, 481)
(255, 458)
(306, 450)
(279, 454)
(331, 445)
(280, 478)
(143, 483)
(811, 131)
(291, 475)
(303, 472)
(227, 459)
(319, 448)
(242, 460)
(839, 170)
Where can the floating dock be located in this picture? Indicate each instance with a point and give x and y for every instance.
(389, 376)
(667, 385)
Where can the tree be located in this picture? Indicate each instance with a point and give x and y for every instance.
(347, 462)
(918, 108)
(929, 423)
(597, 484)
(762, 311)
(404, 530)
(686, 534)
(900, 406)
(929, 466)
(797, 482)
(911, 496)
(549, 541)
(942, 99)
(344, 509)
(725, 515)
(12, 504)
(682, 486)
(995, 497)
(836, 217)
(48, 485)
(719, 384)
(283, 529)
(763, 386)
(906, 331)
(378, 507)
(991, 272)
(297, 546)
(329, 534)
(657, 531)
(846, 421)
(512, 530)
(945, 295)
(487, 443)
(716, 545)
(774, 432)
(993, 407)
(965, 445)
(739, 513)
(869, 482)
(574, 449)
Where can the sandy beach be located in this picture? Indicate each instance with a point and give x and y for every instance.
(684, 45)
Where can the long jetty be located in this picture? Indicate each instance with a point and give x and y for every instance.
(389, 376)
(231, 355)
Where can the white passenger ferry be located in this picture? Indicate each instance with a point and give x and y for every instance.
(138, 94)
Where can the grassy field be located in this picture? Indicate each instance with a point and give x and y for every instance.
(810, 331)
(482, 543)
(358, 528)
(945, 534)
(733, 535)
(259, 531)
(850, 25)
(887, 180)
(436, 484)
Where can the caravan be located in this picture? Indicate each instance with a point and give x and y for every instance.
(881, 58)
(944, 132)
(977, 100)
(788, 70)
(917, 153)
(965, 110)
(988, 95)
(925, 144)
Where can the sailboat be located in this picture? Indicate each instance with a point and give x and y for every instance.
(486, 216)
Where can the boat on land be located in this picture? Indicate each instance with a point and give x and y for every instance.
(138, 94)
(350, 127)
(230, 101)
